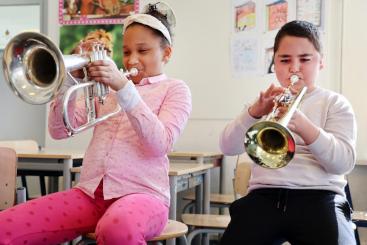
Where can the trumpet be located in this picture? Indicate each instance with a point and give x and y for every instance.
(35, 69)
(269, 143)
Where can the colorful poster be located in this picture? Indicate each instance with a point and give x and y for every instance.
(310, 10)
(277, 13)
(71, 35)
(91, 12)
(245, 15)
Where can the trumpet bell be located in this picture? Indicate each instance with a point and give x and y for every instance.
(269, 144)
(33, 67)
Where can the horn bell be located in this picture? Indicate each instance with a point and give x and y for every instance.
(33, 67)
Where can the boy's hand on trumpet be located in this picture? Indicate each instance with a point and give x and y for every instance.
(300, 124)
(265, 103)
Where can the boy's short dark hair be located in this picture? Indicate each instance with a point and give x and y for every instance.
(299, 28)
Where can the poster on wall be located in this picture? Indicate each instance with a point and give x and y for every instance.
(310, 10)
(245, 16)
(111, 36)
(244, 55)
(277, 14)
(92, 12)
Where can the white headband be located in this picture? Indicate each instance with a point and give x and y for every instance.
(150, 21)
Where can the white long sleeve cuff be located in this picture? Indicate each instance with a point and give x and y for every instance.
(128, 97)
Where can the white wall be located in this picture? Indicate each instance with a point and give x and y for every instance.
(354, 85)
(354, 75)
(202, 59)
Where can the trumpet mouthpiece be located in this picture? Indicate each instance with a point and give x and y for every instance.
(294, 78)
(133, 72)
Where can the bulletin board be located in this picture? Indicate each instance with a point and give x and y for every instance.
(258, 21)
(227, 60)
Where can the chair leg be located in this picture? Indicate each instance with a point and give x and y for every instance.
(86, 242)
(356, 234)
(24, 184)
(189, 208)
(42, 185)
(182, 240)
(196, 232)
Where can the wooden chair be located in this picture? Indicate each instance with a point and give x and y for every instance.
(25, 146)
(8, 168)
(218, 200)
(20, 145)
(174, 229)
(359, 218)
(211, 223)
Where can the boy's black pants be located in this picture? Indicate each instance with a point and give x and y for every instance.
(274, 215)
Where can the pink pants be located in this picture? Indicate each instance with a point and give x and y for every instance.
(63, 216)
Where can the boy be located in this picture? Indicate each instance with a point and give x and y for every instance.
(304, 202)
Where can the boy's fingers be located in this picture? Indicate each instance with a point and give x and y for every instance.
(269, 90)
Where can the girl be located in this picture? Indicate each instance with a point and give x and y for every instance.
(123, 193)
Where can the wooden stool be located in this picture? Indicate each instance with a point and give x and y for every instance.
(205, 224)
(173, 229)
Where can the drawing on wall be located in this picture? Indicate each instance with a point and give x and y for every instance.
(71, 35)
(277, 14)
(310, 10)
(244, 53)
(73, 12)
(245, 16)
(9, 28)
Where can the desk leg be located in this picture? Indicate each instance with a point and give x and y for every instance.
(199, 199)
(221, 180)
(68, 164)
(206, 201)
(173, 203)
(173, 193)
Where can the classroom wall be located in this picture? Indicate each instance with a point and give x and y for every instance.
(202, 58)
(354, 85)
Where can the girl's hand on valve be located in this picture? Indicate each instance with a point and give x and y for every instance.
(106, 71)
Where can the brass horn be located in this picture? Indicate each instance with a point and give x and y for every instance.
(35, 70)
(270, 143)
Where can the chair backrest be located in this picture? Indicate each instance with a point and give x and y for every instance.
(241, 178)
(8, 170)
(20, 145)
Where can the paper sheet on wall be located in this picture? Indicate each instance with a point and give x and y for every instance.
(244, 56)
(310, 10)
(25, 22)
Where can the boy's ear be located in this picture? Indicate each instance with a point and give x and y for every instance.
(167, 52)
